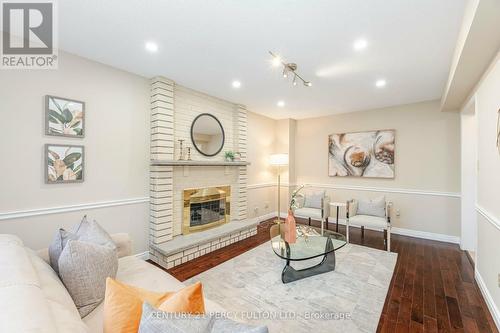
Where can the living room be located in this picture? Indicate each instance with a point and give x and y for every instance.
(244, 166)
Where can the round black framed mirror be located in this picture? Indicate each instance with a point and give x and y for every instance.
(207, 134)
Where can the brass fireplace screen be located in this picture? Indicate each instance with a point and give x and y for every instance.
(205, 208)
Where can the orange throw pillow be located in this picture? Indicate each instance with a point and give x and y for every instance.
(123, 304)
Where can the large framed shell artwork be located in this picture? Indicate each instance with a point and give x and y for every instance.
(362, 154)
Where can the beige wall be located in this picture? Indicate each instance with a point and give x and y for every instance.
(428, 143)
(468, 129)
(427, 162)
(487, 101)
(261, 143)
(267, 136)
(117, 152)
(116, 149)
(427, 146)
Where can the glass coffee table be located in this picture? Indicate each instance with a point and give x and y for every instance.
(311, 243)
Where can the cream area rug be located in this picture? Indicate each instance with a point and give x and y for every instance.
(349, 299)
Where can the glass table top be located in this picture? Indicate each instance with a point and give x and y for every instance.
(310, 243)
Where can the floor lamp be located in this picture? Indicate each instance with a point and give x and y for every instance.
(278, 160)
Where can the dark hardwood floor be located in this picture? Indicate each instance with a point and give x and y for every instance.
(432, 289)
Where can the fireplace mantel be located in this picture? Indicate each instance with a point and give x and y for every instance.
(198, 163)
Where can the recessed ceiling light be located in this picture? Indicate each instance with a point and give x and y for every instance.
(280, 104)
(151, 46)
(380, 83)
(276, 61)
(360, 44)
(236, 84)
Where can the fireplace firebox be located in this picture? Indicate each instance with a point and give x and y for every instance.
(205, 208)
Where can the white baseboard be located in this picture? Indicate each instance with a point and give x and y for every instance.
(394, 230)
(495, 313)
(268, 216)
(410, 233)
(262, 218)
(143, 255)
(426, 235)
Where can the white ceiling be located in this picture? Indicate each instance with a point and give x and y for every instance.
(205, 45)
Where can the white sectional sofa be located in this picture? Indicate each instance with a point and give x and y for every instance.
(33, 299)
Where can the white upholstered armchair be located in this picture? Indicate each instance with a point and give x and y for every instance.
(373, 214)
(313, 206)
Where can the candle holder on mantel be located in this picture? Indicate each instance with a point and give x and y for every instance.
(188, 153)
(181, 149)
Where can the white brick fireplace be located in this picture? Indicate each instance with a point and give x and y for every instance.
(173, 108)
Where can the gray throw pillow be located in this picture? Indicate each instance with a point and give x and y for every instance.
(83, 268)
(60, 240)
(313, 200)
(156, 321)
(85, 231)
(373, 207)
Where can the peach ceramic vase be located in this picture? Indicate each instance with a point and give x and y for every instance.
(290, 228)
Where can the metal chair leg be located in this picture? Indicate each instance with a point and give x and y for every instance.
(389, 239)
(347, 230)
(309, 221)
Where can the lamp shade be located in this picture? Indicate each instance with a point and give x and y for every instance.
(278, 159)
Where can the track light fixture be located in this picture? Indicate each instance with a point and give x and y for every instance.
(289, 69)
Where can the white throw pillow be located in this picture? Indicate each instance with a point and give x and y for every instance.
(313, 200)
(372, 207)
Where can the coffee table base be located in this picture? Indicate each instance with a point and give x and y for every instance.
(291, 274)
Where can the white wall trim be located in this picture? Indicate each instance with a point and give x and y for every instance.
(262, 218)
(399, 231)
(495, 313)
(260, 185)
(488, 216)
(385, 190)
(364, 188)
(417, 234)
(264, 185)
(143, 256)
(426, 235)
(70, 208)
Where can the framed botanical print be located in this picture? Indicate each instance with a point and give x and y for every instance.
(64, 117)
(64, 163)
